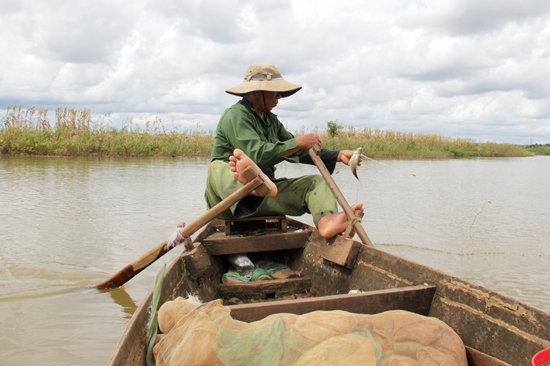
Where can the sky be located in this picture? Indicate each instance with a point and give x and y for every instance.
(476, 69)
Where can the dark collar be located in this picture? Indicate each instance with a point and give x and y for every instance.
(247, 105)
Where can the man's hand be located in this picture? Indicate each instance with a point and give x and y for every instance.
(307, 141)
(304, 142)
(344, 156)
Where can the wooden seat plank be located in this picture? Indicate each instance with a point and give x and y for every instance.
(219, 244)
(263, 222)
(416, 299)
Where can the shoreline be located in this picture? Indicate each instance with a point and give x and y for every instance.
(75, 133)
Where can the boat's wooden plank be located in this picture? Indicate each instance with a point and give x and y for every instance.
(494, 304)
(389, 270)
(487, 334)
(340, 251)
(484, 319)
(261, 289)
(263, 222)
(132, 346)
(497, 306)
(476, 358)
(197, 262)
(415, 299)
(219, 244)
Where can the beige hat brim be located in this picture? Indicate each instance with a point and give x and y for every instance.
(274, 85)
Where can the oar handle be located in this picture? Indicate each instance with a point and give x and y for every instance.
(314, 153)
(132, 269)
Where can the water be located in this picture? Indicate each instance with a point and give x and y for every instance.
(69, 223)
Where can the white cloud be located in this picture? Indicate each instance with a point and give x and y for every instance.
(470, 17)
(461, 68)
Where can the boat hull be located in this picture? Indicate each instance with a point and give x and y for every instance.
(496, 329)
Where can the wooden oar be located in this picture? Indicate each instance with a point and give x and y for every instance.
(255, 182)
(314, 153)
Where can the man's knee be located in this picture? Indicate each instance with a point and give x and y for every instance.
(319, 184)
(315, 180)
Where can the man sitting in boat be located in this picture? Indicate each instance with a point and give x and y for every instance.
(249, 133)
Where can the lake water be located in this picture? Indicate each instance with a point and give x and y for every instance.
(69, 223)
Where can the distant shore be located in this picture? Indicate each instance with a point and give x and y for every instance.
(29, 132)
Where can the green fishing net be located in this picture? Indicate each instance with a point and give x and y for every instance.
(207, 335)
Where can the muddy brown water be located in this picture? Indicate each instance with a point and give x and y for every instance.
(69, 223)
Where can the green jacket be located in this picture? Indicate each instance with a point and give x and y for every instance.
(240, 127)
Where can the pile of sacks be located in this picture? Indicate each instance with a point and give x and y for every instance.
(206, 334)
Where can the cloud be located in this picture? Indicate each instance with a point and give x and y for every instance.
(461, 68)
(79, 32)
(470, 17)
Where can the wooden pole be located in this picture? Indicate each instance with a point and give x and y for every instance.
(314, 153)
(132, 269)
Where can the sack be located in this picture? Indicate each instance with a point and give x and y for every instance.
(208, 335)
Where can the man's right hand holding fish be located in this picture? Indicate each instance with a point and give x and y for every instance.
(356, 160)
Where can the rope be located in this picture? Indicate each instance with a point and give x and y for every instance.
(177, 238)
(350, 230)
(260, 274)
(276, 269)
(235, 276)
(256, 275)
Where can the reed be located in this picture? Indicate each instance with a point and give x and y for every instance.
(76, 133)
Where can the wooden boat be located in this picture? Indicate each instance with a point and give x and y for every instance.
(496, 330)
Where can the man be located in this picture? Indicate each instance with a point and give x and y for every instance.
(248, 133)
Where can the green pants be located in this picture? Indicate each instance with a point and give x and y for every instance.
(295, 196)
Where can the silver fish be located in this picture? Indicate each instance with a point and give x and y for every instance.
(355, 160)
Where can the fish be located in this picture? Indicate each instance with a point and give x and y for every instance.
(356, 160)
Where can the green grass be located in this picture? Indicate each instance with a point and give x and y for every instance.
(75, 133)
(389, 144)
(538, 149)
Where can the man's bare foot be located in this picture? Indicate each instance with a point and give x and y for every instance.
(331, 225)
(239, 161)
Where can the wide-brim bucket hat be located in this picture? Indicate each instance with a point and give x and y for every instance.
(264, 77)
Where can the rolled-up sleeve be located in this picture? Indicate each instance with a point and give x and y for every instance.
(329, 157)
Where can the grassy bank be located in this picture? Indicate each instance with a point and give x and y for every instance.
(75, 133)
(539, 149)
(390, 144)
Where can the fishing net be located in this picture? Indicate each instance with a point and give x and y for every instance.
(207, 335)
